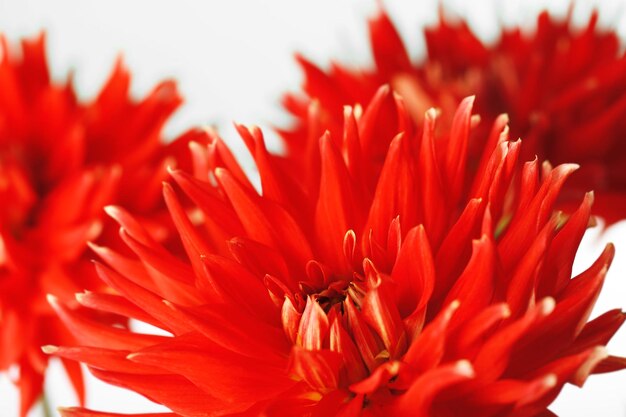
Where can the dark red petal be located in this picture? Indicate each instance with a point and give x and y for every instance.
(380, 377)
(219, 219)
(320, 369)
(527, 221)
(265, 221)
(475, 294)
(155, 256)
(110, 359)
(427, 350)
(225, 281)
(477, 329)
(395, 191)
(518, 392)
(456, 249)
(30, 384)
(91, 333)
(560, 257)
(431, 183)
(456, 153)
(418, 398)
(389, 52)
(276, 184)
(115, 304)
(414, 273)
(181, 396)
(364, 338)
(383, 316)
(599, 331)
(144, 299)
(335, 212)
(341, 342)
(610, 364)
(520, 292)
(494, 356)
(194, 245)
(313, 328)
(235, 330)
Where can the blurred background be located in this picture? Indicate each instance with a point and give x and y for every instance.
(233, 60)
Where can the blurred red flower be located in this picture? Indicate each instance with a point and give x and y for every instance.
(561, 86)
(61, 162)
(405, 287)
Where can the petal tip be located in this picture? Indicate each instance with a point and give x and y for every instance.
(547, 306)
(52, 299)
(464, 368)
(112, 210)
(49, 349)
(550, 381)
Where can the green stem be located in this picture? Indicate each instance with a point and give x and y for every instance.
(45, 405)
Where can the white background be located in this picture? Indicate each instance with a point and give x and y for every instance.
(233, 59)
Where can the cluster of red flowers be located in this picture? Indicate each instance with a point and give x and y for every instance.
(398, 260)
(407, 289)
(61, 162)
(561, 87)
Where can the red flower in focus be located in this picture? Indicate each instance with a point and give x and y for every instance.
(562, 87)
(61, 161)
(407, 289)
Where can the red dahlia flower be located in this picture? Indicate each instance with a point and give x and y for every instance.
(411, 289)
(61, 161)
(562, 87)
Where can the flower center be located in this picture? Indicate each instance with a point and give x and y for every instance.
(17, 185)
(341, 332)
(334, 295)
